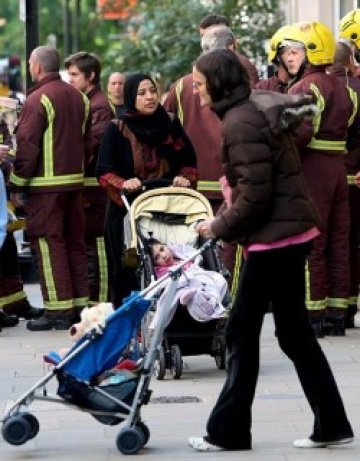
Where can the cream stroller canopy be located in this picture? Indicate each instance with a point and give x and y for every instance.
(184, 208)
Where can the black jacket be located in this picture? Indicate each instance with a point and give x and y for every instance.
(270, 200)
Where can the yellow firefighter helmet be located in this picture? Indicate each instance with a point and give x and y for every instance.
(275, 42)
(350, 27)
(318, 40)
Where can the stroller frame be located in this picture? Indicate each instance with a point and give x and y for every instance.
(19, 426)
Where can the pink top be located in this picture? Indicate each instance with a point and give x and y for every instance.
(293, 240)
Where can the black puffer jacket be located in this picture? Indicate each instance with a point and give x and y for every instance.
(270, 200)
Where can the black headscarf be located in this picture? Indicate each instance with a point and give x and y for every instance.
(148, 129)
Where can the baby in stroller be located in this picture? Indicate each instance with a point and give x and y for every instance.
(200, 290)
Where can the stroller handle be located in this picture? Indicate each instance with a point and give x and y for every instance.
(146, 184)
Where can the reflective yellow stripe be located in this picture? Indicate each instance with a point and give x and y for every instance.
(91, 182)
(354, 100)
(87, 111)
(178, 91)
(15, 297)
(79, 302)
(48, 275)
(236, 270)
(352, 300)
(53, 303)
(320, 104)
(208, 186)
(351, 180)
(48, 140)
(338, 303)
(59, 305)
(317, 305)
(103, 272)
(61, 180)
(18, 181)
(322, 144)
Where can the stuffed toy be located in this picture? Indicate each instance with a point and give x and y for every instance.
(91, 317)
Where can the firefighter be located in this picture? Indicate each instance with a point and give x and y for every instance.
(13, 299)
(280, 80)
(310, 49)
(53, 143)
(84, 71)
(343, 69)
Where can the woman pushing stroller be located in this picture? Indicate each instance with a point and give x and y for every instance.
(145, 143)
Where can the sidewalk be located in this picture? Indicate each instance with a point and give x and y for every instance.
(280, 414)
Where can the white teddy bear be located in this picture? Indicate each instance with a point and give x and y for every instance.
(91, 317)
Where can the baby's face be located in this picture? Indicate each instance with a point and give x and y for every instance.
(162, 255)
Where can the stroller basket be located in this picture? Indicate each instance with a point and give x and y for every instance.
(85, 396)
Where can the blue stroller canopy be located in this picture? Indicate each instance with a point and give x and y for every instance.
(104, 351)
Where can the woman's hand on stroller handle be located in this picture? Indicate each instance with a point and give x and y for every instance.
(204, 229)
(181, 181)
(132, 185)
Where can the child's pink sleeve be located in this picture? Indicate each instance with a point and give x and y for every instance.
(161, 270)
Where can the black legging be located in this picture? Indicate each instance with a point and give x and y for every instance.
(275, 276)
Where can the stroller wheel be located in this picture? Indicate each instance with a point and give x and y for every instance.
(130, 440)
(219, 352)
(160, 364)
(176, 361)
(16, 430)
(34, 424)
(142, 427)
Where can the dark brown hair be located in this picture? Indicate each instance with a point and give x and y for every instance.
(213, 19)
(223, 72)
(86, 63)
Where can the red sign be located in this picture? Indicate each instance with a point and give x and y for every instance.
(116, 9)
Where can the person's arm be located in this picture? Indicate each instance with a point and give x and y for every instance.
(305, 131)
(250, 173)
(101, 115)
(29, 140)
(107, 172)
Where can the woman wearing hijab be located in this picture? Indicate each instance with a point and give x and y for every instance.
(145, 143)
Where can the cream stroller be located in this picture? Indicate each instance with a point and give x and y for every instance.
(170, 214)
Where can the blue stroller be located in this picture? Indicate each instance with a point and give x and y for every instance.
(93, 355)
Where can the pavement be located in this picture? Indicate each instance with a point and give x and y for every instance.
(178, 408)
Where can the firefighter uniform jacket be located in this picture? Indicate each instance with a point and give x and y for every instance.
(44, 159)
(328, 132)
(272, 84)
